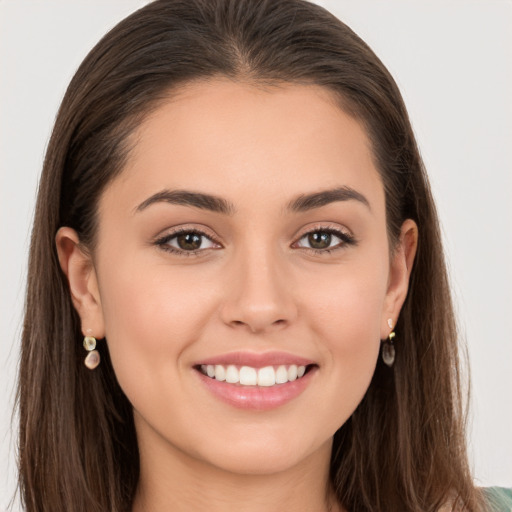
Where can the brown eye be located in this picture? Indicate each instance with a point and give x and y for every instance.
(189, 241)
(325, 240)
(319, 240)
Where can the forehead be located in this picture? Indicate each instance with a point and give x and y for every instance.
(226, 137)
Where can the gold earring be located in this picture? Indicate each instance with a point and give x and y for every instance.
(93, 357)
(388, 348)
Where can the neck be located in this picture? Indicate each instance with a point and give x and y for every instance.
(183, 484)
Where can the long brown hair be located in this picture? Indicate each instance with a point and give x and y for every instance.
(404, 447)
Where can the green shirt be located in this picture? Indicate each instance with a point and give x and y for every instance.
(499, 499)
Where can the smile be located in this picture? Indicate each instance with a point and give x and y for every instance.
(258, 382)
(249, 376)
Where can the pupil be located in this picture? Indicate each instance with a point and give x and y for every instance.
(319, 240)
(189, 241)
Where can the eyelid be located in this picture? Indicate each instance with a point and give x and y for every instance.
(346, 237)
(323, 226)
(162, 241)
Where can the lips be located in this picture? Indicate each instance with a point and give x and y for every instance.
(256, 381)
(256, 360)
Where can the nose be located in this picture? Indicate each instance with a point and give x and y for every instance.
(258, 296)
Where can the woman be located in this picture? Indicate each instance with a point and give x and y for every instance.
(234, 219)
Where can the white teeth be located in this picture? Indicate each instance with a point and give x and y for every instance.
(248, 376)
(266, 376)
(281, 375)
(220, 372)
(232, 375)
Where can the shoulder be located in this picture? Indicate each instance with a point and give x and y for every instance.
(499, 499)
(495, 499)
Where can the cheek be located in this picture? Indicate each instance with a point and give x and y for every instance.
(346, 305)
(150, 319)
(347, 322)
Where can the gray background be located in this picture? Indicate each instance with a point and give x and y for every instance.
(453, 63)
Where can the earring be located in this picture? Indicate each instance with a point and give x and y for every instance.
(388, 348)
(93, 357)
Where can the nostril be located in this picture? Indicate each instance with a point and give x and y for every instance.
(256, 325)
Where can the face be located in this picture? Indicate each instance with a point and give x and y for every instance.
(244, 242)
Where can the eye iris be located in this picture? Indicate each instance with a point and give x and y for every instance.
(319, 240)
(189, 241)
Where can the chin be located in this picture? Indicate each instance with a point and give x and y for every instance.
(261, 463)
(269, 456)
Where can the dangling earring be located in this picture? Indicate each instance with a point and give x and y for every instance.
(388, 348)
(93, 357)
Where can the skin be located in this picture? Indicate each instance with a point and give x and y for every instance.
(256, 286)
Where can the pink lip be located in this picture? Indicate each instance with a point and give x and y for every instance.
(256, 397)
(256, 360)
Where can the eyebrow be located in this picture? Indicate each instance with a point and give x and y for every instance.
(216, 204)
(307, 202)
(189, 198)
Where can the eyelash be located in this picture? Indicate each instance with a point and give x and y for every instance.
(346, 239)
(163, 242)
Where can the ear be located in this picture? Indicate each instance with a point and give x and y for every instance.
(78, 267)
(399, 273)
